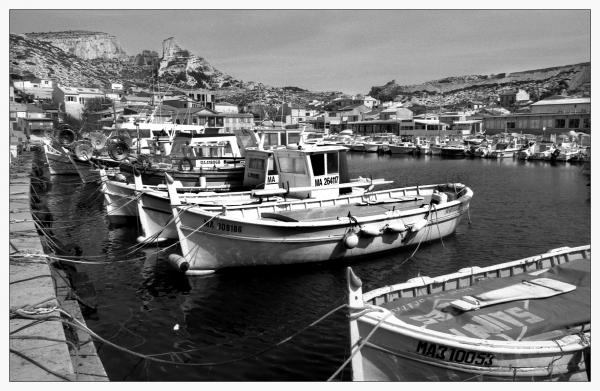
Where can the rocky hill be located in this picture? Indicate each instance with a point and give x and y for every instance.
(91, 59)
(87, 45)
(30, 57)
(539, 83)
(95, 59)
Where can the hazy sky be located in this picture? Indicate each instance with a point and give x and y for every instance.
(342, 50)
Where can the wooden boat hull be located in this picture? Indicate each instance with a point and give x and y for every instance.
(489, 345)
(453, 152)
(60, 164)
(120, 199)
(400, 150)
(229, 178)
(506, 153)
(390, 356)
(222, 240)
(435, 150)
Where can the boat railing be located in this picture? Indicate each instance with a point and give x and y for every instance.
(422, 194)
(420, 286)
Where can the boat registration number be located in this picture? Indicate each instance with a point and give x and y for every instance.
(326, 181)
(214, 162)
(451, 354)
(222, 226)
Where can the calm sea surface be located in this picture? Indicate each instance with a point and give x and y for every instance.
(224, 324)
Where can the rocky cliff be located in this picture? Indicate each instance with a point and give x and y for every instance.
(30, 57)
(87, 45)
(539, 83)
(188, 70)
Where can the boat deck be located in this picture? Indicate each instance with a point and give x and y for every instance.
(355, 210)
(532, 318)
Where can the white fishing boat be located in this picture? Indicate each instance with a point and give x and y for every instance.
(358, 143)
(323, 225)
(504, 149)
(435, 148)
(454, 149)
(527, 151)
(543, 150)
(403, 148)
(567, 151)
(524, 320)
(154, 206)
(379, 142)
(423, 146)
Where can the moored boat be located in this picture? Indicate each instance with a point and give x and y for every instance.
(379, 143)
(323, 225)
(453, 149)
(522, 320)
(403, 148)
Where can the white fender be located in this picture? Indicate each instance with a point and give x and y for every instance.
(179, 262)
(396, 227)
(370, 230)
(351, 240)
(418, 225)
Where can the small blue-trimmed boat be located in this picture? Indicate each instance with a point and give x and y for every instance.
(525, 320)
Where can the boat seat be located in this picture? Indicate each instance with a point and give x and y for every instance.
(336, 212)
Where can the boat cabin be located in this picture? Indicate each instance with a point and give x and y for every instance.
(206, 149)
(260, 170)
(319, 169)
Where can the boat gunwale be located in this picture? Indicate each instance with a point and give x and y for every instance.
(337, 222)
(567, 343)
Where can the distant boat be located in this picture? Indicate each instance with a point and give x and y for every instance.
(524, 320)
(504, 149)
(403, 148)
(543, 150)
(379, 142)
(358, 143)
(453, 149)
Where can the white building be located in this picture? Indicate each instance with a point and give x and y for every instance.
(562, 105)
(39, 88)
(71, 100)
(225, 107)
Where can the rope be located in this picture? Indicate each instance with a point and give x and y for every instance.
(152, 357)
(438, 225)
(77, 324)
(359, 347)
(418, 245)
(196, 247)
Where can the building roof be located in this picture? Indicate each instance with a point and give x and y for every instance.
(16, 106)
(136, 98)
(80, 90)
(565, 101)
(351, 107)
(34, 109)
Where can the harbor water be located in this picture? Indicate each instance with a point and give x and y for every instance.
(229, 326)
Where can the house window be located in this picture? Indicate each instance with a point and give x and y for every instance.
(510, 125)
(69, 99)
(559, 123)
(82, 101)
(573, 122)
(586, 123)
